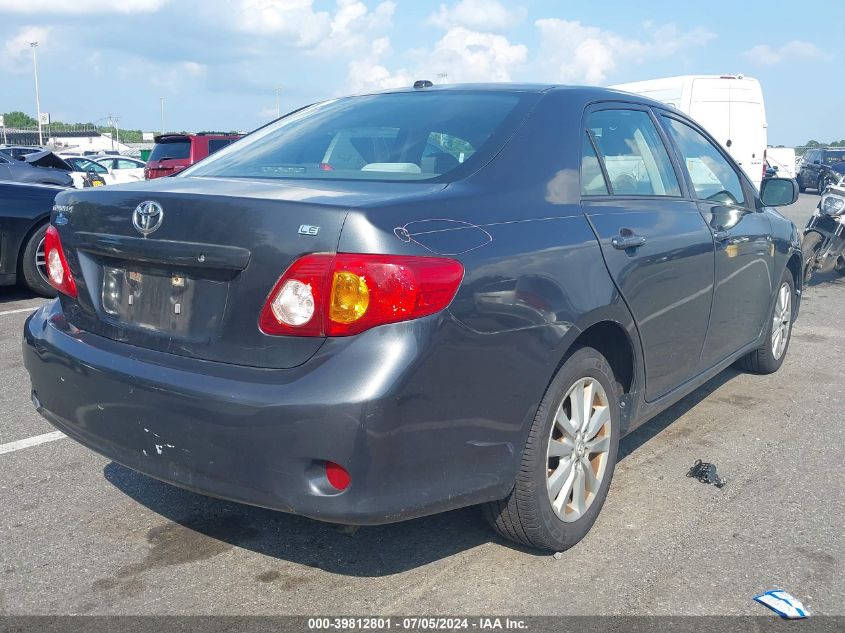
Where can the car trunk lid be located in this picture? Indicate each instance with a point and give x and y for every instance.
(192, 278)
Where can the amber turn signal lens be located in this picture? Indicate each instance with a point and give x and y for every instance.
(349, 299)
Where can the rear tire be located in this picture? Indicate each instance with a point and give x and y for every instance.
(30, 262)
(768, 358)
(564, 476)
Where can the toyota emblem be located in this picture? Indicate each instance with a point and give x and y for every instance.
(147, 217)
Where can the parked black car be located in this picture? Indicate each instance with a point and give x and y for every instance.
(819, 168)
(24, 216)
(37, 167)
(391, 305)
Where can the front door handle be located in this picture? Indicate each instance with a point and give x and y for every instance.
(624, 242)
(721, 236)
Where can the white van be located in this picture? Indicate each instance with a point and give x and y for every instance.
(729, 107)
(784, 159)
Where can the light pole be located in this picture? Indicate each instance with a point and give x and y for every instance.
(34, 47)
(278, 102)
(162, 114)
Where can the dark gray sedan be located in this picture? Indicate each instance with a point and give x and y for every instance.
(392, 305)
(40, 167)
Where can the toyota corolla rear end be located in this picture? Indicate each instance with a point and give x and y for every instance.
(209, 333)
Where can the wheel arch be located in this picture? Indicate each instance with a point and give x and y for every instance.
(611, 332)
(37, 224)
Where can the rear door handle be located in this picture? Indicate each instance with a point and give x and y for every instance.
(624, 242)
(721, 236)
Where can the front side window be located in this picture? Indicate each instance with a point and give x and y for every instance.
(393, 136)
(634, 157)
(712, 176)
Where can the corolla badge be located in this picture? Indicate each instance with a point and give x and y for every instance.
(147, 217)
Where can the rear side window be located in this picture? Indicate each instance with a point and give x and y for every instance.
(711, 174)
(435, 135)
(633, 154)
(215, 144)
(171, 149)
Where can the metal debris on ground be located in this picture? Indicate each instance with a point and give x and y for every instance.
(786, 606)
(706, 473)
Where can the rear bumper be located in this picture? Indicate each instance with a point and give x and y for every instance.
(260, 436)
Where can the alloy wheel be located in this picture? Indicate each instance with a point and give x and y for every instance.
(578, 450)
(781, 321)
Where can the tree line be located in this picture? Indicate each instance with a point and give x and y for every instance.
(22, 120)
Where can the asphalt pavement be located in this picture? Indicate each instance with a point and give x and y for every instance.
(82, 535)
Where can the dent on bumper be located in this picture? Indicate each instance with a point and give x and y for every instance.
(259, 436)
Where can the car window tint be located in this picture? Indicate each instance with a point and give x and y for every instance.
(215, 144)
(834, 157)
(444, 152)
(633, 153)
(394, 136)
(592, 178)
(712, 176)
(171, 149)
(125, 164)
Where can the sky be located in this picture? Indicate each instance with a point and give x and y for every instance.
(222, 64)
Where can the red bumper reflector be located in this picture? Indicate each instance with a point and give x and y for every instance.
(337, 476)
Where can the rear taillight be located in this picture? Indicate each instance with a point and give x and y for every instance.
(58, 273)
(765, 157)
(341, 294)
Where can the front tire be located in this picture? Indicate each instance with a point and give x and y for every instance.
(33, 264)
(768, 358)
(568, 460)
(811, 244)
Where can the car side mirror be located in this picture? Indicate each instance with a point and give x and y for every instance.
(778, 192)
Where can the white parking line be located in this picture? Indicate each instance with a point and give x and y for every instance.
(19, 310)
(11, 447)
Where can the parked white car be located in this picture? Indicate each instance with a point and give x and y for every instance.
(83, 167)
(122, 168)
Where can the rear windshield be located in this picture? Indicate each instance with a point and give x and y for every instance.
(179, 148)
(401, 136)
(834, 157)
(83, 164)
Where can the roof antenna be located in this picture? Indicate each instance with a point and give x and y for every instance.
(422, 83)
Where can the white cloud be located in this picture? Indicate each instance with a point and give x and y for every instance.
(574, 52)
(368, 73)
(766, 55)
(17, 55)
(42, 7)
(484, 15)
(321, 31)
(462, 54)
(172, 76)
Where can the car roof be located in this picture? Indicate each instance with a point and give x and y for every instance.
(585, 94)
